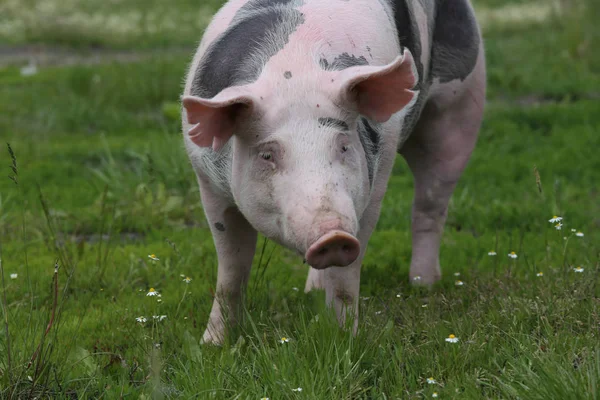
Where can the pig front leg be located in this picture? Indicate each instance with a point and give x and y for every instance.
(437, 152)
(235, 243)
(342, 284)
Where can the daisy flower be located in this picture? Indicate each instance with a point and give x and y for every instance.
(187, 279)
(491, 253)
(152, 292)
(159, 317)
(264, 398)
(295, 289)
(555, 219)
(14, 276)
(540, 274)
(153, 257)
(578, 269)
(284, 340)
(452, 339)
(459, 283)
(558, 226)
(513, 255)
(579, 234)
(457, 274)
(141, 320)
(431, 381)
(299, 389)
(417, 278)
(435, 394)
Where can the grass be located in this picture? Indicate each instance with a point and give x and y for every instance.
(98, 180)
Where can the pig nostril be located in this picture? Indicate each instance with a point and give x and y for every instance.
(346, 248)
(323, 251)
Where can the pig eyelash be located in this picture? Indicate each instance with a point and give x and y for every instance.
(265, 155)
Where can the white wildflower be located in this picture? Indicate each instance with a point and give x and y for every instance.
(452, 339)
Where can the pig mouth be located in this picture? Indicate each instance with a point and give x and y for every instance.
(333, 249)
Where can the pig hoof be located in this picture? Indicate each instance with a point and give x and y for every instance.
(315, 280)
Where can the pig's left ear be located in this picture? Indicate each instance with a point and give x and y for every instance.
(214, 119)
(380, 91)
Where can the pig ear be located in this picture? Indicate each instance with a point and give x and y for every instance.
(214, 119)
(380, 91)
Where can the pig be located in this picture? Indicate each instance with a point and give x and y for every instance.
(293, 112)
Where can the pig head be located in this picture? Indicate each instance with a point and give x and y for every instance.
(300, 171)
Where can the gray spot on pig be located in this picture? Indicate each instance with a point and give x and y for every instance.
(238, 56)
(408, 32)
(334, 123)
(342, 61)
(370, 138)
(220, 227)
(287, 74)
(455, 41)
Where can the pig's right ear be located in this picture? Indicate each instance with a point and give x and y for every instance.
(214, 119)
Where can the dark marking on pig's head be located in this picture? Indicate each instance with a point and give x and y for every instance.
(220, 227)
(455, 41)
(239, 55)
(287, 74)
(370, 138)
(334, 123)
(342, 61)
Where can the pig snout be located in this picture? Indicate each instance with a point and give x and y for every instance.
(336, 248)
(333, 247)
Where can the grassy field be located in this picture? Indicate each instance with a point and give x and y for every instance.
(94, 179)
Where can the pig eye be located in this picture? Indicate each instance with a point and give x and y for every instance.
(265, 155)
(268, 154)
(344, 148)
